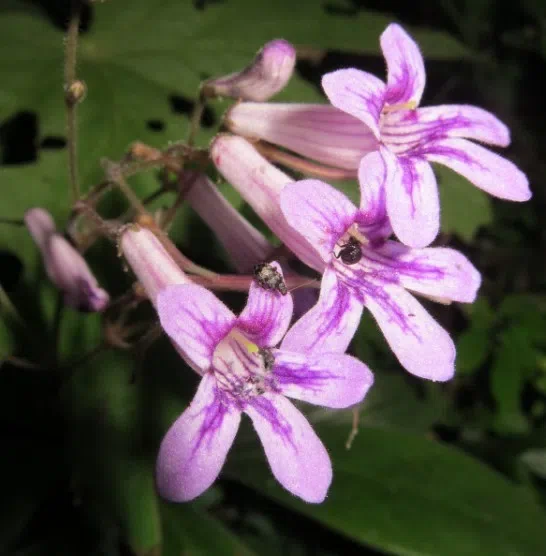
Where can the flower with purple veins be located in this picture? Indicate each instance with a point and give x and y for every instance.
(410, 138)
(243, 372)
(364, 268)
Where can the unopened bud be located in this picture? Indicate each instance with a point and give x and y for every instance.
(65, 267)
(75, 92)
(268, 74)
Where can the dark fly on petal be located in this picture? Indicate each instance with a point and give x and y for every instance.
(268, 358)
(350, 252)
(269, 278)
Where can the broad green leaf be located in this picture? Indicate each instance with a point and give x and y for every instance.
(408, 495)
(190, 530)
(465, 208)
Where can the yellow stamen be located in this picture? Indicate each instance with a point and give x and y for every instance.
(353, 232)
(251, 347)
(410, 105)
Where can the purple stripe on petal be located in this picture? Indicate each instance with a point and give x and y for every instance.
(435, 271)
(295, 453)
(485, 169)
(196, 320)
(403, 130)
(406, 69)
(357, 93)
(317, 131)
(372, 218)
(421, 345)
(267, 314)
(194, 450)
(326, 379)
(412, 199)
(320, 213)
(331, 324)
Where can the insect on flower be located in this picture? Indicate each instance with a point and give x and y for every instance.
(269, 278)
(350, 252)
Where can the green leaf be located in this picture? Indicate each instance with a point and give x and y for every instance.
(465, 208)
(189, 530)
(535, 460)
(408, 495)
(114, 468)
(134, 60)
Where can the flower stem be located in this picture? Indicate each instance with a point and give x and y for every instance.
(71, 99)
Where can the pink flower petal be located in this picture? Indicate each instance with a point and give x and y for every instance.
(267, 314)
(331, 324)
(421, 345)
(317, 131)
(196, 320)
(298, 459)
(412, 199)
(402, 130)
(194, 450)
(434, 271)
(260, 184)
(372, 176)
(406, 69)
(325, 379)
(357, 93)
(485, 169)
(320, 213)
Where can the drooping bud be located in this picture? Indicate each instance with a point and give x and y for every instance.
(150, 261)
(245, 245)
(268, 74)
(65, 267)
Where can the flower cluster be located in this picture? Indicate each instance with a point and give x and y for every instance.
(253, 362)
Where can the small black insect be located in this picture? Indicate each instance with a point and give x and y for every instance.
(350, 252)
(268, 358)
(269, 278)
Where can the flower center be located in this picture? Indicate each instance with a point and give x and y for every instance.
(410, 105)
(242, 369)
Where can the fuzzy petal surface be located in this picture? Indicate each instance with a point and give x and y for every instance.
(325, 379)
(485, 169)
(320, 213)
(405, 66)
(298, 459)
(434, 271)
(421, 345)
(357, 93)
(413, 204)
(196, 320)
(266, 316)
(194, 450)
(331, 324)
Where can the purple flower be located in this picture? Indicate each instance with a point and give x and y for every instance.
(410, 138)
(363, 268)
(378, 116)
(268, 74)
(243, 372)
(65, 267)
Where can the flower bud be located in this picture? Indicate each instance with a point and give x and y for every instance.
(244, 244)
(268, 74)
(149, 260)
(65, 267)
